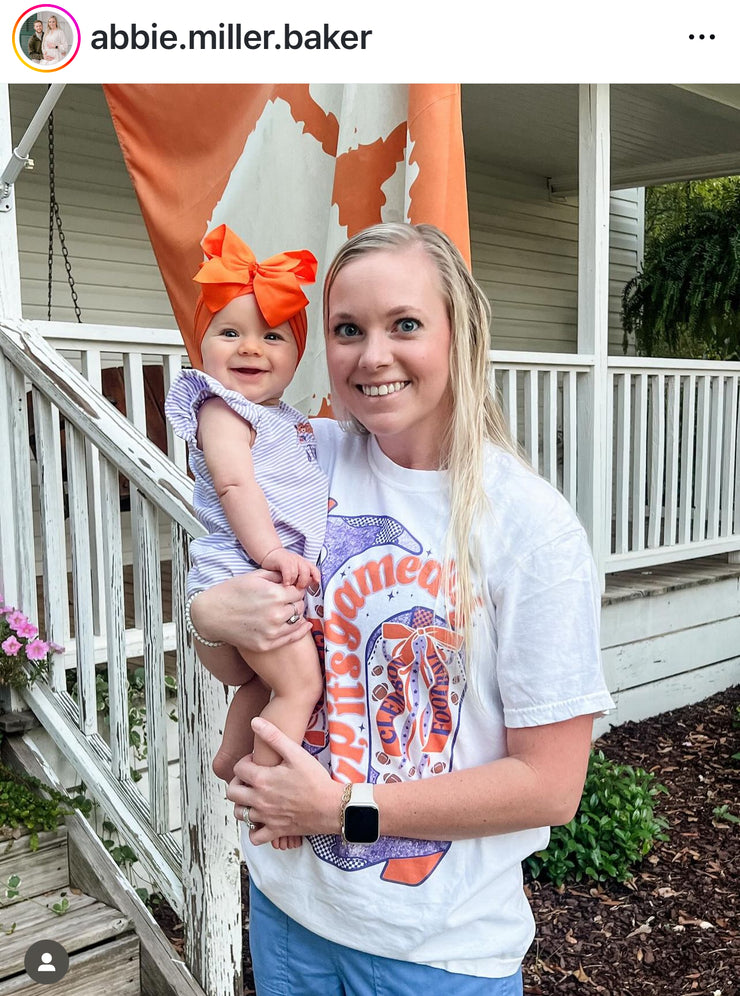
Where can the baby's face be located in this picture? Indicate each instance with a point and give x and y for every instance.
(240, 350)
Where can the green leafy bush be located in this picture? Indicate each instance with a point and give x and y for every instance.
(22, 804)
(613, 830)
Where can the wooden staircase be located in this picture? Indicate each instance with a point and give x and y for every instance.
(101, 943)
(118, 953)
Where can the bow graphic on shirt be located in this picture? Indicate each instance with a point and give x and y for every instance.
(421, 686)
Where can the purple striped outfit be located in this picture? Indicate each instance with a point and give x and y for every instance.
(285, 467)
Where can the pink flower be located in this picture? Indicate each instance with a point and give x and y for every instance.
(37, 650)
(27, 630)
(55, 648)
(11, 646)
(16, 619)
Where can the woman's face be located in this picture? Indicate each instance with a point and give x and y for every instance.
(51, 23)
(388, 351)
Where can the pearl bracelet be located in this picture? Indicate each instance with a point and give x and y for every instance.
(189, 625)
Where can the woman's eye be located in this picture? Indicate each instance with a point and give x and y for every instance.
(347, 330)
(408, 325)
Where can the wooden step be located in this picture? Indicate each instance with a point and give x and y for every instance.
(108, 968)
(42, 870)
(100, 941)
(157, 966)
(84, 924)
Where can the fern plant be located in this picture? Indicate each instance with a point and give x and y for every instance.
(689, 287)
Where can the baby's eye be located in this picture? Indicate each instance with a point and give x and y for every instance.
(408, 324)
(346, 330)
(273, 336)
(229, 333)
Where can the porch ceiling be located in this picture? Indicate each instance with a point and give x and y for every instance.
(660, 133)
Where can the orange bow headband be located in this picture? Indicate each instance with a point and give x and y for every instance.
(232, 270)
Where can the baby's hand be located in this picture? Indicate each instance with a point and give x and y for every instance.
(292, 568)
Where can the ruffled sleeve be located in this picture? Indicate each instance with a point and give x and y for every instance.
(188, 393)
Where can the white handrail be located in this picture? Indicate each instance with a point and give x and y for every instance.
(200, 874)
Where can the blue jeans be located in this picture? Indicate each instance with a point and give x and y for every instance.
(289, 960)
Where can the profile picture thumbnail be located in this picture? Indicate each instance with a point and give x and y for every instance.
(46, 38)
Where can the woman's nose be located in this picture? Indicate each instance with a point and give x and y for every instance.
(377, 351)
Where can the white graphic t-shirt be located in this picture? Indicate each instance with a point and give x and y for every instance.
(398, 706)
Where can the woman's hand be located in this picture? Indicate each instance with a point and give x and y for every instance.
(295, 798)
(251, 611)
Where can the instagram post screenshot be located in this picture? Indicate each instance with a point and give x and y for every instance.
(479, 270)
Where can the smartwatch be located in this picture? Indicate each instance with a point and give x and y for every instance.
(360, 818)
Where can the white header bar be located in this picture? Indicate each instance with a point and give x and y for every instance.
(468, 41)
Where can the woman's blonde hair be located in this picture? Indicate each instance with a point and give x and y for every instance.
(476, 416)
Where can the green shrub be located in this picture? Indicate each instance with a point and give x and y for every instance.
(23, 805)
(613, 830)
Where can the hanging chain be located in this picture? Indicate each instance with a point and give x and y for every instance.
(55, 219)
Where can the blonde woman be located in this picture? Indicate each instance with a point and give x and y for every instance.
(460, 616)
(54, 46)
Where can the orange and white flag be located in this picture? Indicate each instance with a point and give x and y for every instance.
(288, 166)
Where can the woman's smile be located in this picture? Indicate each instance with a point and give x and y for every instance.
(383, 390)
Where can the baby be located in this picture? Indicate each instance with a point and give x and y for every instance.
(258, 489)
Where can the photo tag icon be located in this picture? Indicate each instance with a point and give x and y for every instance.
(46, 962)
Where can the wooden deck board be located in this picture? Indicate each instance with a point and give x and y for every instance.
(667, 577)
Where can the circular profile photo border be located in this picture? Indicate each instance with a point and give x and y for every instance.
(16, 32)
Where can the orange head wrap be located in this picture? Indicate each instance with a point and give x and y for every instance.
(232, 270)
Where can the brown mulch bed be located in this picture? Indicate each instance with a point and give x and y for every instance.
(674, 929)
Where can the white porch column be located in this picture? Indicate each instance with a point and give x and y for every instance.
(593, 314)
(10, 307)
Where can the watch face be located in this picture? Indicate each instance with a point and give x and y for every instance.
(360, 824)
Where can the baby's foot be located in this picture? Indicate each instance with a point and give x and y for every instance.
(286, 843)
(223, 765)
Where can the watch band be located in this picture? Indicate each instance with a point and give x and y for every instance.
(362, 794)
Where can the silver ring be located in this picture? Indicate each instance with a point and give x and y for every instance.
(294, 618)
(246, 819)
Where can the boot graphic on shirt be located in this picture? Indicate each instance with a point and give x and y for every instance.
(407, 682)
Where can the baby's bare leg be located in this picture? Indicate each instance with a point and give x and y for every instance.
(294, 674)
(238, 739)
(226, 664)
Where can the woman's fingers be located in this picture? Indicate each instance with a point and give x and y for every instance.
(293, 798)
(288, 750)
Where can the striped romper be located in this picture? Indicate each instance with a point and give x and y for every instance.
(284, 456)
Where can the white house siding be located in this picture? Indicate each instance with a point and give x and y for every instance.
(115, 273)
(525, 255)
(674, 646)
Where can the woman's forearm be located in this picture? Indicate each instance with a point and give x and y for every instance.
(538, 784)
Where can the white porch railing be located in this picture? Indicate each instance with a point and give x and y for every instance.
(197, 870)
(539, 394)
(673, 471)
(675, 485)
(132, 353)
